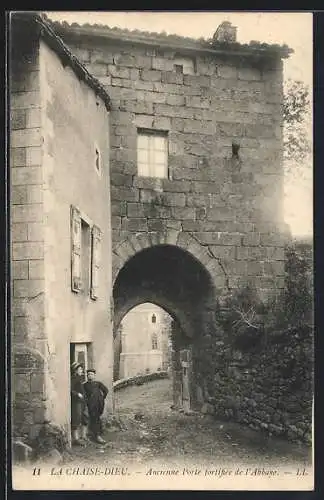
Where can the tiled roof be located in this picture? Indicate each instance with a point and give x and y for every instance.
(172, 40)
(45, 29)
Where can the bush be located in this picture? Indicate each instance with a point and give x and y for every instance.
(262, 355)
(249, 323)
(50, 437)
(241, 316)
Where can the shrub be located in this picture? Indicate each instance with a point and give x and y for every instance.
(249, 323)
(262, 355)
(294, 305)
(241, 316)
(50, 437)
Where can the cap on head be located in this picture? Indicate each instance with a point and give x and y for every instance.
(91, 370)
(75, 365)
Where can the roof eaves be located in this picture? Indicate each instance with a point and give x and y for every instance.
(47, 32)
(253, 48)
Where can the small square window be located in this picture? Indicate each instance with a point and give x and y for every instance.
(152, 153)
(184, 65)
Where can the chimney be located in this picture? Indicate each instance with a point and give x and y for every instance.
(225, 33)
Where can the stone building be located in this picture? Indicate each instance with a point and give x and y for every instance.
(144, 341)
(60, 223)
(196, 170)
(196, 188)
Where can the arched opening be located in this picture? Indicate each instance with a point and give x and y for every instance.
(176, 281)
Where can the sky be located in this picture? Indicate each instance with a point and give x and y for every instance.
(294, 29)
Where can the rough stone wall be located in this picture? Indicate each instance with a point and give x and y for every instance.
(305, 249)
(27, 246)
(261, 371)
(233, 206)
(269, 389)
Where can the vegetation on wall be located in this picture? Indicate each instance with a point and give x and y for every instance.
(256, 366)
(243, 315)
(297, 125)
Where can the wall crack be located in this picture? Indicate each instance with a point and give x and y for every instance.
(213, 256)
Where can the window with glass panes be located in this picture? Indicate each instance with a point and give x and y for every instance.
(152, 154)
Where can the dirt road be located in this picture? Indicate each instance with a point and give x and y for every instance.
(154, 433)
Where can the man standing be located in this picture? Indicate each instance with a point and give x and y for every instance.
(96, 393)
(78, 404)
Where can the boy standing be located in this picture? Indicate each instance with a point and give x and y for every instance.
(78, 404)
(96, 393)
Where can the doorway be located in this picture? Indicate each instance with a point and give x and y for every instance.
(81, 353)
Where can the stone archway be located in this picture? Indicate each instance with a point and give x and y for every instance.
(140, 241)
(174, 272)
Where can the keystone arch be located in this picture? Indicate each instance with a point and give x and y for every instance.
(174, 272)
(137, 246)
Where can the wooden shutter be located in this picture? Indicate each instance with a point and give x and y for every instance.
(75, 249)
(95, 261)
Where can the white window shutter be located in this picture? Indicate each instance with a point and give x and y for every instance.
(75, 249)
(95, 261)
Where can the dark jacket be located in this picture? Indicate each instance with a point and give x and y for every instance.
(96, 393)
(77, 403)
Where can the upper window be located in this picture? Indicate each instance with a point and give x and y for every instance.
(153, 319)
(85, 258)
(152, 153)
(184, 65)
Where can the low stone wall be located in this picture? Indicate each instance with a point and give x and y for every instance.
(269, 389)
(139, 379)
(139, 363)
